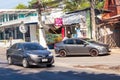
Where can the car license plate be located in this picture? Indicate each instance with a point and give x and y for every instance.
(44, 60)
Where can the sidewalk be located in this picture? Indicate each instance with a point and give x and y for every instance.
(115, 50)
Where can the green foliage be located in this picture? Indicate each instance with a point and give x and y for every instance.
(32, 3)
(21, 6)
(45, 3)
(72, 5)
(51, 3)
(69, 5)
(58, 39)
(53, 38)
(99, 5)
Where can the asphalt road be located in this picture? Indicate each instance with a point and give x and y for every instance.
(60, 71)
(109, 60)
(15, 72)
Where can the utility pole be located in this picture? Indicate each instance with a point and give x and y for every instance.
(42, 38)
(39, 12)
(92, 3)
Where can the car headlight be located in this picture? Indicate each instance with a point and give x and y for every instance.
(101, 47)
(50, 54)
(33, 55)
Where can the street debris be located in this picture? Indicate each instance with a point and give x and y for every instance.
(101, 67)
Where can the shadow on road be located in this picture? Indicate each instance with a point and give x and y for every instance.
(34, 66)
(83, 55)
(10, 74)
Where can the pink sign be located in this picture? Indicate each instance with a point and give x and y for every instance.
(58, 22)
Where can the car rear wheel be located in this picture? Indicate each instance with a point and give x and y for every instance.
(25, 63)
(94, 52)
(10, 60)
(62, 53)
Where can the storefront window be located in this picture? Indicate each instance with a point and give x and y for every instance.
(21, 15)
(1, 36)
(15, 16)
(10, 17)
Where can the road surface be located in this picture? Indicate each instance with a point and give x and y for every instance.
(57, 72)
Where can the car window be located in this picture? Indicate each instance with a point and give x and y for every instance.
(90, 40)
(32, 47)
(19, 46)
(13, 46)
(69, 41)
(79, 41)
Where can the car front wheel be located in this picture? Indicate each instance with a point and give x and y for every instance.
(25, 63)
(62, 53)
(94, 52)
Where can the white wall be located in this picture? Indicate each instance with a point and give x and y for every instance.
(33, 37)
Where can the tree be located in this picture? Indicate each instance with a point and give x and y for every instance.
(100, 4)
(21, 6)
(73, 5)
(32, 4)
(44, 3)
(69, 5)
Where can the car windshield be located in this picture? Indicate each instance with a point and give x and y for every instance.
(32, 46)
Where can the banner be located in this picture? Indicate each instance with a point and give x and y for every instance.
(58, 22)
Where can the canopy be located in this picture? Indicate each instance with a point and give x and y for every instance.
(73, 18)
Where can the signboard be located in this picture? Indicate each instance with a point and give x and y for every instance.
(23, 28)
(58, 22)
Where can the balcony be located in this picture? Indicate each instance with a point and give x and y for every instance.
(26, 20)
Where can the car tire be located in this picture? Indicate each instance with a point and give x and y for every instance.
(25, 63)
(94, 52)
(10, 62)
(62, 53)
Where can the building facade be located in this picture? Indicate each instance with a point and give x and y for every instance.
(12, 19)
(109, 29)
(113, 6)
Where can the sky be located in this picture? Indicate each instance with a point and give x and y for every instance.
(9, 4)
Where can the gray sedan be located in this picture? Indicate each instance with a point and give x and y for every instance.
(77, 46)
(29, 53)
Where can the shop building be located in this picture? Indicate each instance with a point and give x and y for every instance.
(109, 29)
(12, 19)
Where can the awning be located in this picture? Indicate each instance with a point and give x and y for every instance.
(113, 19)
(73, 18)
